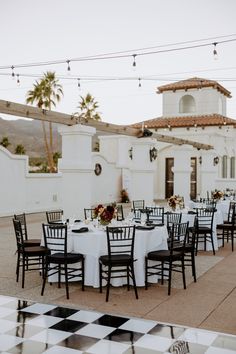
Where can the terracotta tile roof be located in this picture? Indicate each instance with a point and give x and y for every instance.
(187, 121)
(194, 82)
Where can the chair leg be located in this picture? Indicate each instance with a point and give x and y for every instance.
(23, 272)
(66, 280)
(100, 277)
(169, 278)
(134, 281)
(183, 273)
(162, 273)
(212, 242)
(108, 283)
(193, 266)
(232, 240)
(82, 273)
(197, 239)
(146, 271)
(45, 274)
(127, 271)
(59, 275)
(17, 267)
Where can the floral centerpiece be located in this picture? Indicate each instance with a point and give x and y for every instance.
(217, 195)
(176, 200)
(105, 214)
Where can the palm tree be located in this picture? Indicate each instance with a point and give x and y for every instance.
(20, 150)
(5, 142)
(88, 107)
(46, 93)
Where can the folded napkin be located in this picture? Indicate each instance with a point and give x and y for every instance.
(153, 224)
(77, 220)
(82, 229)
(145, 227)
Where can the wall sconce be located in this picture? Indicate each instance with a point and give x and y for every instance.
(131, 153)
(216, 160)
(153, 154)
(200, 159)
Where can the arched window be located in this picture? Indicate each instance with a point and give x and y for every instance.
(224, 166)
(187, 104)
(232, 167)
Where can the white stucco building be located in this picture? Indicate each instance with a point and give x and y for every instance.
(194, 109)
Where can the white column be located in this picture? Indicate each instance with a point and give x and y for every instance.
(209, 172)
(182, 171)
(76, 167)
(142, 170)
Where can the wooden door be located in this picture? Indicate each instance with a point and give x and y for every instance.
(193, 178)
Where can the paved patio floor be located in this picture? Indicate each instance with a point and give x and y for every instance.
(209, 304)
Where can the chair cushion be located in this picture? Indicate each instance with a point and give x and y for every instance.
(32, 242)
(36, 251)
(116, 260)
(60, 258)
(163, 255)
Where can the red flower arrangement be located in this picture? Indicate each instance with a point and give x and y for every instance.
(105, 214)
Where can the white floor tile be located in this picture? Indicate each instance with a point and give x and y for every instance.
(39, 308)
(6, 325)
(137, 325)
(213, 350)
(198, 336)
(108, 347)
(62, 350)
(154, 342)
(95, 331)
(50, 336)
(4, 311)
(7, 342)
(44, 321)
(85, 316)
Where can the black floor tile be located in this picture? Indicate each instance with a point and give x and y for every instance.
(124, 336)
(111, 321)
(171, 332)
(76, 341)
(69, 325)
(30, 347)
(62, 312)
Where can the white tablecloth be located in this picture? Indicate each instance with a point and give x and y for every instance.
(93, 244)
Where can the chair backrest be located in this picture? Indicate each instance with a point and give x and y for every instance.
(204, 218)
(137, 214)
(210, 204)
(18, 234)
(22, 219)
(178, 236)
(156, 214)
(138, 204)
(55, 237)
(89, 213)
(173, 218)
(54, 216)
(120, 212)
(120, 240)
(231, 211)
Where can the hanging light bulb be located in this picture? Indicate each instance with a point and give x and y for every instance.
(134, 61)
(78, 83)
(18, 79)
(12, 72)
(68, 66)
(215, 51)
(139, 82)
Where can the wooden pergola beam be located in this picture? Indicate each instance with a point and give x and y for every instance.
(22, 110)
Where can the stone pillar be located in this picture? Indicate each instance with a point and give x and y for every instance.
(142, 170)
(209, 172)
(182, 171)
(76, 168)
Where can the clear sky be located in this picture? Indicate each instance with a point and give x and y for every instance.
(50, 30)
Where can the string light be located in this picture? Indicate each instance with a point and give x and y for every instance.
(139, 82)
(215, 51)
(134, 60)
(12, 72)
(18, 79)
(68, 66)
(78, 83)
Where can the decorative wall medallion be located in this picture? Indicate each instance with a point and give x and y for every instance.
(98, 169)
